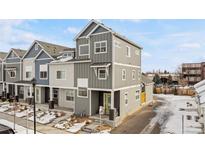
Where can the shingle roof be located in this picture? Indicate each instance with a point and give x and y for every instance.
(20, 52)
(3, 55)
(146, 80)
(53, 49)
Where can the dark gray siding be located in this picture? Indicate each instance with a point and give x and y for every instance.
(32, 52)
(80, 42)
(43, 55)
(100, 30)
(7, 76)
(94, 102)
(82, 105)
(37, 71)
(83, 70)
(13, 60)
(88, 30)
(103, 57)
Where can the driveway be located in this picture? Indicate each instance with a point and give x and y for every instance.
(135, 123)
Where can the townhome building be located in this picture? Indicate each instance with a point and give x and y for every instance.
(105, 71)
(35, 66)
(13, 71)
(2, 56)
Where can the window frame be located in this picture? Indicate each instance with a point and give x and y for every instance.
(79, 90)
(99, 78)
(57, 75)
(11, 71)
(68, 91)
(80, 50)
(128, 55)
(124, 74)
(30, 74)
(105, 41)
(44, 72)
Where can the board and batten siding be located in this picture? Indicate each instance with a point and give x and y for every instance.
(69, 70)
(32, 52)
(81, 41)
(7, 76)
(88, 29)
(120, 52)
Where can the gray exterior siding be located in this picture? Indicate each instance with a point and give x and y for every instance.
(37, 72)
(7, 76)
(88, 30)
(83, 70)
(32, 52)
(78, 43)
(42, 55)
(13, 60)
(1, 71)
(100, 30)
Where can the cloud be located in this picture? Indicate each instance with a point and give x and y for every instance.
(190, 45)
(72, 30)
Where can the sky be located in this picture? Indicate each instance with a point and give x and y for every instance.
(166, 43)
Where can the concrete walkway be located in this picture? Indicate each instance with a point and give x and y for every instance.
(138, 121)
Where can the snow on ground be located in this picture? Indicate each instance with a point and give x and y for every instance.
(169, 114)
(18, 129)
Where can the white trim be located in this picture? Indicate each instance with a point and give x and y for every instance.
(88, 35)
(113, 66)
(104, 41)
(43, 59)
(43, 71)
(128, 65)
(59, 87)
(36, 47)
(123, 88)
(60, 71)
(99, 69)
(79, 54)
(82, 96)
(101, 66)
(9, 72)
(42, 50)
(10, 52)
(99, 89)
(90, 103)
(66, 95)
(71, 62)
(100, 33)
(11, 63)
(129, 53)
(124, 70)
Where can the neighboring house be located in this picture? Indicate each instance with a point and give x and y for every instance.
(35, 65)
(2, 87)
(13, 71)
(106, 71)
(147, 90)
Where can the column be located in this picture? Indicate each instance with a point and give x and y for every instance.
(30, 91)
(16, 90)
(112, 99)
(3, 87)
(24, 92)
(7, 88)
(51, 93)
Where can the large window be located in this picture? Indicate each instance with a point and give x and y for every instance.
(43, 71)
(60, 75)
(82, 92)
(123, 74)
(102, 74)
(128, 54)
(28, 75)
(28, 71)
(100, 47)
(126, 98)
(83, 50)
(69, 95)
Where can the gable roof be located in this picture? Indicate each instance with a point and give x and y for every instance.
(19, 52)
(3, 55)
(107, 28)
(146, 80)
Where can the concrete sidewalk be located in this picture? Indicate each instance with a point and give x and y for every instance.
(135, 123)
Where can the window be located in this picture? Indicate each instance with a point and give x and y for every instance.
(43, 71)
(69, 95)
(36, 46)
(133, 74)
(126, 98)
(12, 74)
(60, 75)
(128, 54)
(82, 92)
(101, 47)
(123, 74)
(102, 74)
(137, 95)
(28, 75)
(83, 50)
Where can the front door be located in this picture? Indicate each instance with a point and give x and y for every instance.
(107, 102)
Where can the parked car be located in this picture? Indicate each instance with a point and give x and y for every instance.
(6, 130)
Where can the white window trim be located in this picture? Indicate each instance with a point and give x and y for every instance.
(124, 70)
(88, 49)
(36, 47)
(100, 47)
(82, 96)
(126, 93)
(134, 71)
(61, 71)
(9, 72)
(43, 78)
(73, 95)
(129, 51)
(28, 77)
(99, 74)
